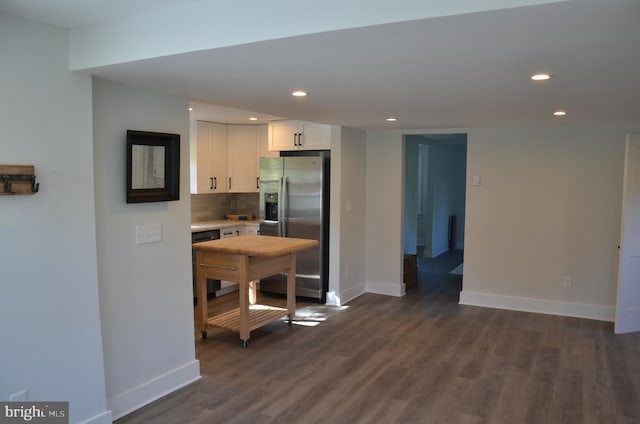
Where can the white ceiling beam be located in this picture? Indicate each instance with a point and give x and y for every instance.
(205, 24)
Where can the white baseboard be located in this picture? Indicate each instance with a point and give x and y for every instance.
(333, 299)
(339, 299)
(127, 402)
(388, 289)
(542, 306)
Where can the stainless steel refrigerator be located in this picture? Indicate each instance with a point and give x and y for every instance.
(294, 202)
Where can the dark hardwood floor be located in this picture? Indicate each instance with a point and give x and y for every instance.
(418, 359)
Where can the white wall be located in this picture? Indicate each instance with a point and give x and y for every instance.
(50, 331)
(459, 175)
(384, 213)
(445, 193)
(350, 205)
(145, 290)
(411, 196)
(335, 218)
(549, 206)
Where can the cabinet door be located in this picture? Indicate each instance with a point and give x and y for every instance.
(282, 135)
(218, 143)
(252, 230)
(228, 286)
(243, 158)
(208, 157)
(200, 159)
(231, 231)
(314, 136)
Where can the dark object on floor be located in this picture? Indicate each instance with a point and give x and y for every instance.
(452, 232)
(410, 271)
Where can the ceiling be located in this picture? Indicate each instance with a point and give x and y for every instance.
(467, 70)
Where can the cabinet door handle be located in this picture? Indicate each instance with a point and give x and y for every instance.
(229, 183)
(211, 184)
(215, 183)
(257, 182)
(299, 139)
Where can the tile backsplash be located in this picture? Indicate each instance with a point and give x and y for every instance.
(207, 207)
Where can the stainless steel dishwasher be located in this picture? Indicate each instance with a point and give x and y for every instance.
(212, 285)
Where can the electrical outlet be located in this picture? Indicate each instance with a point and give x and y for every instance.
(150, 233)
(566, 281)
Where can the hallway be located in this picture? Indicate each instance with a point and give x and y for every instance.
(434, 280)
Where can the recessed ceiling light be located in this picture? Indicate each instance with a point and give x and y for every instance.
(191, 109)
(299, 93)
(559, 113)
(540, 77)
(391, 119)
(253, 118)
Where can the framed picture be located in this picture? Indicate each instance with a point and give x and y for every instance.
(153, 166)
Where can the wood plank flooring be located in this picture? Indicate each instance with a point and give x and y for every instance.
(418, 359)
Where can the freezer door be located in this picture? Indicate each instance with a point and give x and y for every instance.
(271, 171)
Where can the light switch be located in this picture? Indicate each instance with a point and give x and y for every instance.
(476, 180)
(149, 233)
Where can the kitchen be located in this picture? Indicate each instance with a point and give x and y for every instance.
(270, 179)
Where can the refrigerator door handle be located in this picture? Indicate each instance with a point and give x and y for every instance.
(280, 215)
(285, 205)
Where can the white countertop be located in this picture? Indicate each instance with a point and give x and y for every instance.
(221, 223)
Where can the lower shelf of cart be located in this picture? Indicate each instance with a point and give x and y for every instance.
(259, 315)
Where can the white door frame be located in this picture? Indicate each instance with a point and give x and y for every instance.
(628, 297)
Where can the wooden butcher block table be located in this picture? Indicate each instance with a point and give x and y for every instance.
(244, 260)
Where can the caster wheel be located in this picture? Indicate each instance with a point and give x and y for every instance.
(290, 322)
(245, 343)
(204, 334)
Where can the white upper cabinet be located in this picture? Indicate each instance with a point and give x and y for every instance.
(208, 157)
(225, 158)
(299, 135)
(242, 143)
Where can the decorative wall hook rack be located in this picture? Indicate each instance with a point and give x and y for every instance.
(18, 179)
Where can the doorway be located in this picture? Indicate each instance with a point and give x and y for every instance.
(435, 193)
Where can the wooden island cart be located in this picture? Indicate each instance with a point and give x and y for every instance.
(244, 260)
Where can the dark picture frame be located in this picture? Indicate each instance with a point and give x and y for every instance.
(153, 166)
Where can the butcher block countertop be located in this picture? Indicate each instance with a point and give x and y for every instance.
(251, 245)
